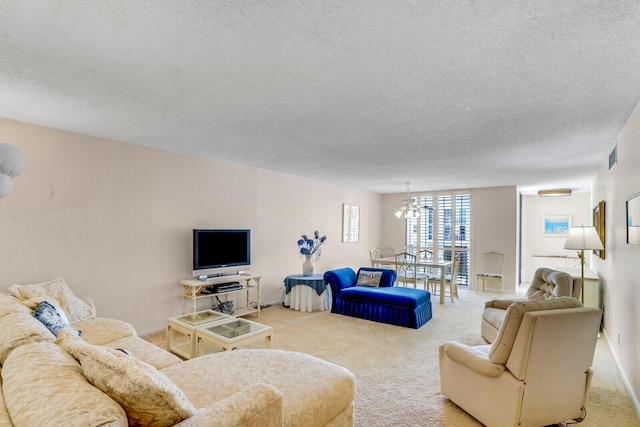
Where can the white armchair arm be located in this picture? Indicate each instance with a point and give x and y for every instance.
(472, 358)
(502, 304)
(257, 405)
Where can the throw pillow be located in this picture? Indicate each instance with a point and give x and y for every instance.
(147, 396)
(74, 307)
(49, 317)
(369, 278)
(18, 327)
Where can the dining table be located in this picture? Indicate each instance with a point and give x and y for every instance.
(442, 265)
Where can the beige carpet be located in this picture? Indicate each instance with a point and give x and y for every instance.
(396, 368)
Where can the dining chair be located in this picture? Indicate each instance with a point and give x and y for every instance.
(492, 269)
(387, 252)
(374, 254)
(426, 255)
(450, 280)
(407, 269)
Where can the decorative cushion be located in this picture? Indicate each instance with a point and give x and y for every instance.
(33, 302)
(74, 307)
(44, 386)
(387, 279)
(147, 396)
(49, 317)
(369, 278)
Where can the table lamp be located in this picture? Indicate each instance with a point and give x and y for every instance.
(583, 237)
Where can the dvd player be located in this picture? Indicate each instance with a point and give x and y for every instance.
(226, 287)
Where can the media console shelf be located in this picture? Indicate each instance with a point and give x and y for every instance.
(192, 289)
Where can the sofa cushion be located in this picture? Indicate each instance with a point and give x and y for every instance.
(145, 351)
(74, 307)
(148, 397)
(393, 296)
(18, 327)
(501, 347)
(44, 386)
(102, 330)
(494, 316)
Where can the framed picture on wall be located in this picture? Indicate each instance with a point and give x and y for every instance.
(350, 223)
(598, 223)
(556, 225)
(633, 220)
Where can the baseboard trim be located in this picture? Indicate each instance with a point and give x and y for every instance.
(625, 381)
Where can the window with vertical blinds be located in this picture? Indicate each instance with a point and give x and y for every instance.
(426, 222)
(463, 235)
(444, 228)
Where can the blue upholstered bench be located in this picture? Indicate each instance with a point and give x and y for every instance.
(385, 303)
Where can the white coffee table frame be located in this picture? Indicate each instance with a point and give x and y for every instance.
(231, 334)
(187, 324)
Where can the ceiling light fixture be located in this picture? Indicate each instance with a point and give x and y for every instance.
(11, 165)
(555, 193)
(410, 208)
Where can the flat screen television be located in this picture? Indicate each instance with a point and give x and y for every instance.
(218, 252)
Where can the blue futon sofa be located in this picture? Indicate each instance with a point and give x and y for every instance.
(383, 303)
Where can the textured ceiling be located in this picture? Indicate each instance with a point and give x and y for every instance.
(366, 93)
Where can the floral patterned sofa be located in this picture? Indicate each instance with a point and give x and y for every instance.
(108, 376)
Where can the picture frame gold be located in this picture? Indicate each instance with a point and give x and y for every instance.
(599, 224)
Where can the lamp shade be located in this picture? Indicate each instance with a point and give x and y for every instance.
(583, 237)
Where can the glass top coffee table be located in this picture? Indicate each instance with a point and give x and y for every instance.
(181, 330)
(230, 334)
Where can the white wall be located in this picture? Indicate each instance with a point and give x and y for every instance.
(620, 271)
(114, 220)
(493, 227)
(534, 208)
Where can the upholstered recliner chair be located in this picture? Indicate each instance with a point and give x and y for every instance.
(536, 373)
(546, 284)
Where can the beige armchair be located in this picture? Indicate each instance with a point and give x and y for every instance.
(546, 284)
(536, 373)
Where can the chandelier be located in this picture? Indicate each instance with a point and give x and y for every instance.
(410, 208)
